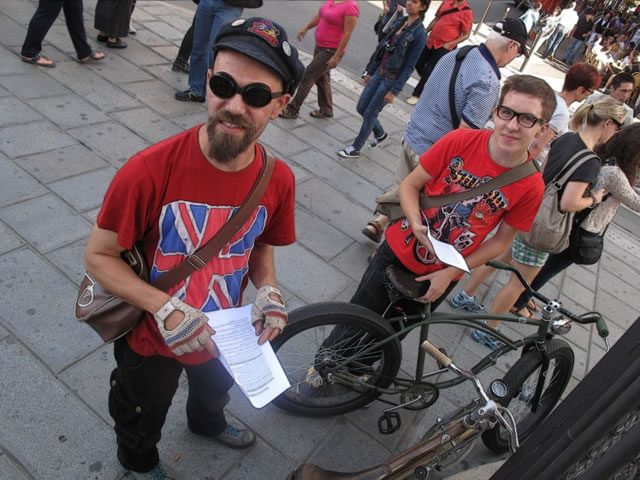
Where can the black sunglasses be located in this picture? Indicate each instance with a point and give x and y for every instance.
(255, 94)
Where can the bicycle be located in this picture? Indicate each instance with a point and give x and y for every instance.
(340, 357)
(443, 439)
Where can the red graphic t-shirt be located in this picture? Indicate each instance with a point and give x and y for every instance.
(458, 162)
(170, 195)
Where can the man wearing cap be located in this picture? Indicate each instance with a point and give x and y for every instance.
(476, 92)
(171, 199)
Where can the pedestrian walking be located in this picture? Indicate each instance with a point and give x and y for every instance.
(112, 20)
(44, 16)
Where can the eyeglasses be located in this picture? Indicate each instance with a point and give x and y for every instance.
(527, 120)
(589, 90)
(255, 94)
(617, 123)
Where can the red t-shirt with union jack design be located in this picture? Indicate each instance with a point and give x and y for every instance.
(173, 198)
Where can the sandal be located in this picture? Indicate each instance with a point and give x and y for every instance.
(523, 312)
(288, 113)
(320, 114)
(94, 57)
(102, 38)
(375, 236)
(532, 306)
(40, 60)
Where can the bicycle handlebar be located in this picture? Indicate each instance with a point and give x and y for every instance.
(436, 354)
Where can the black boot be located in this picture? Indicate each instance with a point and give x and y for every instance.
(181, 65)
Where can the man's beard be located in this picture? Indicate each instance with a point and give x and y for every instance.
(224, 147)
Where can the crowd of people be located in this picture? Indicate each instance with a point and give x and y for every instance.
(248, 73)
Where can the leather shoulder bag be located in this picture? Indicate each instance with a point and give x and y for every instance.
(111, 317)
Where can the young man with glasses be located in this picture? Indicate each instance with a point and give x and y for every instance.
(458, 162)
(173, 198)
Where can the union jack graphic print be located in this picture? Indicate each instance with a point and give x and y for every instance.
(185, 227)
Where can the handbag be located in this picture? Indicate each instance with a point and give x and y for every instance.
(585, 247)
(551, 227)
(389, 202)
(111, 317)
(244, 3)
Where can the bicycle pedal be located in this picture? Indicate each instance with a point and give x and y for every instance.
(389, 423)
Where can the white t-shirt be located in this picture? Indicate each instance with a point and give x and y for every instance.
(559, 123)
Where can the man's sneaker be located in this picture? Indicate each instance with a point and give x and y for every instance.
(180, 64)
(487, 339)
(349, 152)
(187, 96)
(463, 301)
(412, 100)
(160, 472)
(378, 140)
(236, 437)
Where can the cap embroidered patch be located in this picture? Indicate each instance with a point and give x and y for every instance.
(266, 30)
(238, 22)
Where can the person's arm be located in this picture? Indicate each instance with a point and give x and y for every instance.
(432, 24)
(461, 38)
(349, 25)
(103, 262)
(538, 144)
(410, 62)
(488, 250)
(409, 195)
(464, 124)
(621, 190)
(312, 24)
(573, 199)
(262, 272)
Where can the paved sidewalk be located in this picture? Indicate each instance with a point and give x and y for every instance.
(63, 134)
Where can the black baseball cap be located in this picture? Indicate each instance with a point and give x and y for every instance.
(514, 29)
(265, 42)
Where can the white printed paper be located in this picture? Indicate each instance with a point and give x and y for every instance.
(255, 368)
(446, 253)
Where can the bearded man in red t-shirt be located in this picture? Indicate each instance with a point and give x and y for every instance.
(458, 162)
(172, 198)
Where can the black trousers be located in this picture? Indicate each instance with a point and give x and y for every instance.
(425, 65)
(187, 43)
(141, 392)
(45, 15)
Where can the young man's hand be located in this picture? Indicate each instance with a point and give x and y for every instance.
(440, 281)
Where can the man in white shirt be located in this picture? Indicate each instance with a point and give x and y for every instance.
(620, 89)
(567, 20)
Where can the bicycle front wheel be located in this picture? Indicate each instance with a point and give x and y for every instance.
(328, 353)
(521, 381)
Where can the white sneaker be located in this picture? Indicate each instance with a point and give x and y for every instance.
(413, 100)
(160, 472)
(349, 152)
(132, 30)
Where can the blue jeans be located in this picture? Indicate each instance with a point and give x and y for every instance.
(370, 105)
(554, 41)
(574, 45)
(210, 15)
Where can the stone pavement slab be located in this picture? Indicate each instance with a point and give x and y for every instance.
(37, 310)
(8, 239)
(32, 85)
(14, 111)
(111, 140)
(15, 184)
(68, 111)
(148, 124)
(35, 137)
(46, 222)
(61, 163)
(85, 191)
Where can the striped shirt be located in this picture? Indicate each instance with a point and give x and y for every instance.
(477, 89)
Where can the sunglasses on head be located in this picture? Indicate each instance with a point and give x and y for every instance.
(255, 94)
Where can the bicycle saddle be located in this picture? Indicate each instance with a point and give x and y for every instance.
(404, 282)
(308, 471)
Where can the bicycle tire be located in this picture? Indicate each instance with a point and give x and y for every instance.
(308, 361)
(521, 382)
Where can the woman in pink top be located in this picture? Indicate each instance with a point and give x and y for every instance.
(334, 24)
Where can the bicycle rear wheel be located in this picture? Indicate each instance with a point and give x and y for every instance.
(317, 351)
(521, 381)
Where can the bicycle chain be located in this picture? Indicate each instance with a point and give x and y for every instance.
(613, 436)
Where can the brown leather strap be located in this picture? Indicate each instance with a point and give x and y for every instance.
(199, 259)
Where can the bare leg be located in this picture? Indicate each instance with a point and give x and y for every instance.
(508, 295)
(480, 274)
